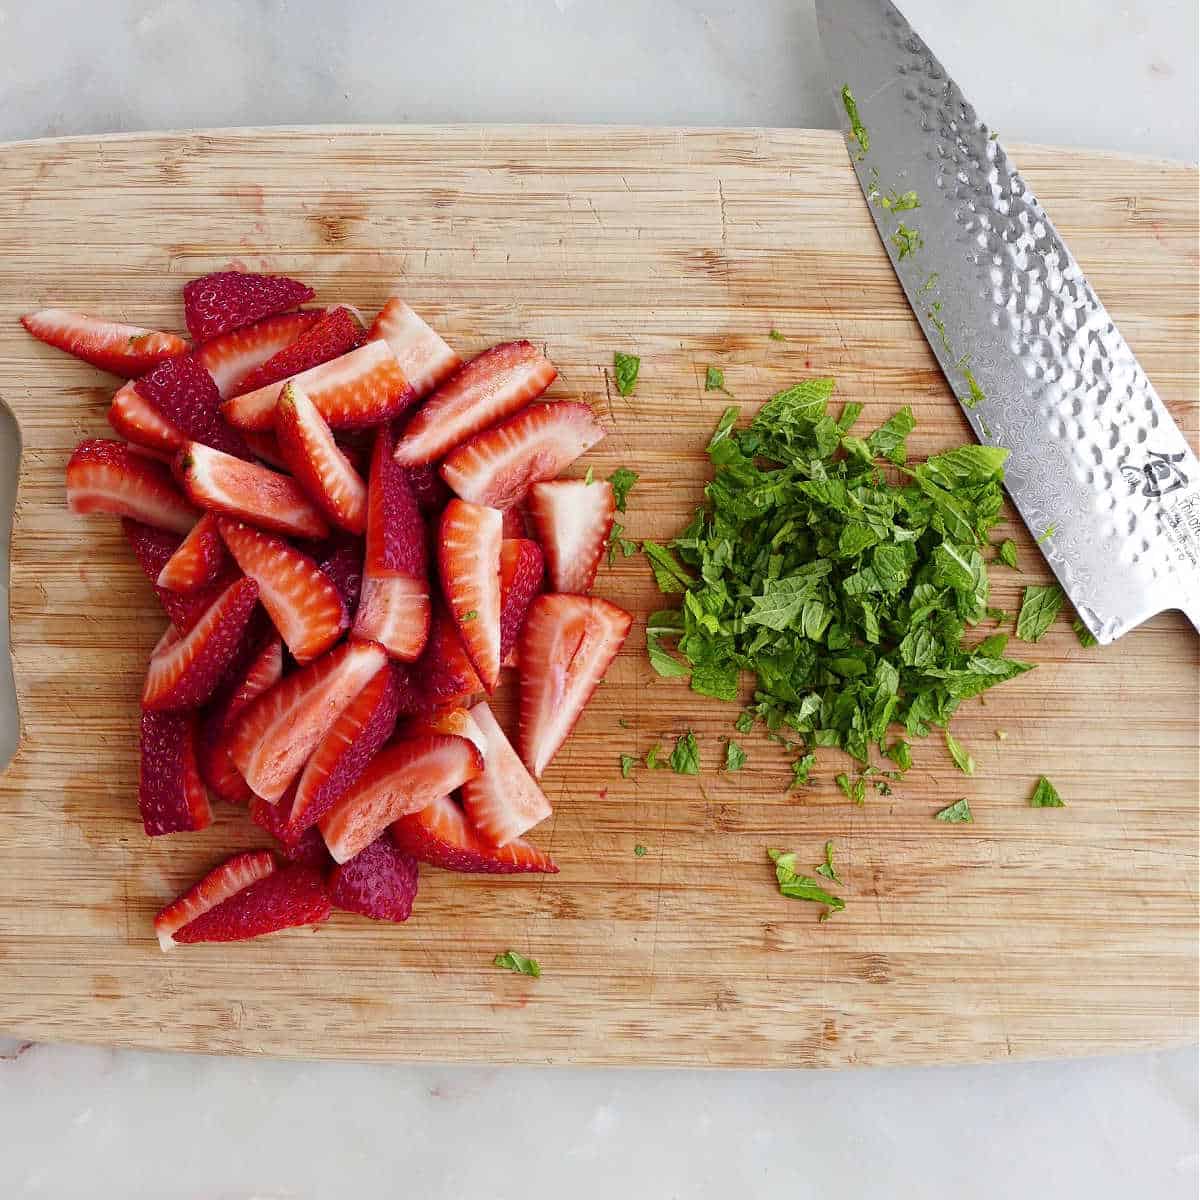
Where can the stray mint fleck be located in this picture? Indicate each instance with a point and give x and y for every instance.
(714, 380)
(685, 758)
(962, 760)
(776, 336)
(589, 476)
(628, 762)
(1048, 533)
(1007, 553)
(827, 868)
(735, 756)
(1087, 639)
(958, 813)
(622, 480)
(801, 887)
(518, 963)
(1039, 606)
(1045, 795)
(625, 368)
(640, 850)
(907, 241)
(975, 393)
(857, 128)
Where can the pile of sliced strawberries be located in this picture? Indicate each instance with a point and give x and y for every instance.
(351, 532)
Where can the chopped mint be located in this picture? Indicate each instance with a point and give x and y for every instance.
(640, 850)
(628, 762)
(1047, 533)
(962, 759)
(907, 241)
(801, 768)
(510, 960)
(975, 392)
(624, 724)
(827, 868)
(958, 813)
(652, 758)
(857, 128)
(714, 380)
(589, 476)
(685, 758)
(856, 790)
(801, 887)
(1045, 795)
(625, 368)
(469, 616)
(776, 336)
(622, 480)
(616, 542)
(1087, 639)
(1039, 607)
(668, 574)
(735, 756)
(1007, 553)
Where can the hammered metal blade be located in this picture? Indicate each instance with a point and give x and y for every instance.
(1097, 468)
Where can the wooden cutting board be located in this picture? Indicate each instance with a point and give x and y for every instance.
(1030, 932)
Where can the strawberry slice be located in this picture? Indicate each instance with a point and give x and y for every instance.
(515, 525)
(274, 735)
(363, 387)
(403, 778)
(186, 669)
(355, 738)
(126, 350)
(343, 563)
(379, 882)
(230, 358)
(521, 572)
(224, 484)
(319, 466)
(504, 802)
(497, 466)
(199, 559)
(444, 674)
(449, 720)
(572, 519)
(442, 836)
(107, 476)
(215, 304)
(153, 549)
(489, 388)
(301, 600)
(304, 847)
(424, 358)
(183, 393)
(429, 489)
(218, 885)
(338, 331)
(216, 767)
(565, 649)
(171, 795)
(394, 607)
(138, 421)
(265, 448)
(284, 899)
(469, 559)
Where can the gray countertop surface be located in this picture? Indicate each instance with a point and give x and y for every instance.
(102, 1123)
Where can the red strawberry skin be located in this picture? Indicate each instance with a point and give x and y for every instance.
(429, 489)
(347, 749)
(285, 899)
(344, 566)
(442, 836)
(199, 560)
(126, 350)
(444, 674)
(219, 884)
(138, 421)
(215, 304)
(469, 561)
(232, 356)
(153, 549)
(337, 331)
(522, 570)
(185, 672)
(379, 882)
(306, 847)
(171, 795)
(107, 476)
(183, 393)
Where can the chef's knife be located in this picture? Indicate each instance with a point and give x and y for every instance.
(1097, 468)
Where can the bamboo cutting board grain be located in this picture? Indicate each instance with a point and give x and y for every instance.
(1031, 932)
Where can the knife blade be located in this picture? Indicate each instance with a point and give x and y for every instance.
(1097, 468)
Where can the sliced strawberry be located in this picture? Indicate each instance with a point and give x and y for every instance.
(318, 465)
(338, 331)
(286, 898)
(215, 304)
(171, 795)
(216, 767)
(497, 466)
(218, 885)
(410, 697)
(403, 778)
(565, 649)
(185, 669)
(183, 393)
(379, 882)
(224, 484)
(444, 674)
(265, 448)
(424, 358)
(521, 572)
(301, 600)
(489, 388)
(343, 563)
(504, 802)
(441, 835)
(230, 358)
(394, 606)
(429, 489)
(357, 445)
(364, 726)
(127, 350)
(469, 561)
(515, 525)
(572, 519)
(307, 846)
(107, 476)
(199, 560)
(153, 549)
(274, 735)
(138, 421)
(363, 387)
(449, 720)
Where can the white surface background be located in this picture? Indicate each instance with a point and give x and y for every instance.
(95, 1123)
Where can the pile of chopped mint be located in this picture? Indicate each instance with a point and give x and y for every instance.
(841, 579)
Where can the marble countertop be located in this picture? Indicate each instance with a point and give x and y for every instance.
(100, 1123)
